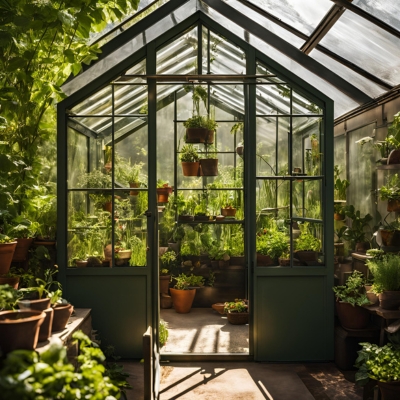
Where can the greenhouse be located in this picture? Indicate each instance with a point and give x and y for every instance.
(229, 169)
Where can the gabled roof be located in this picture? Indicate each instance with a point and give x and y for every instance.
(347, 50)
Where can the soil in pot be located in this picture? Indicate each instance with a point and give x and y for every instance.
(62, 312)
(6, 256)
(352, 317)
(182, 300)
(389, 300)
(20, 329)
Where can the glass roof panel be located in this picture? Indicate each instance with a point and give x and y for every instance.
(364, 84)
(386, 10)
(366, 45)
(267, 23)
(179, 56)
(302, 15)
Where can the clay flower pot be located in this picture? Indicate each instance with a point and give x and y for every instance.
(22, 248)
(238, 318)
(20, 329)
(389, 300)
(352, 317)
(47, 325)
(197, 135)
(182, 299)
(6, 256)
(62, 312)
(38, 304)
(190, 168)
(12, 281)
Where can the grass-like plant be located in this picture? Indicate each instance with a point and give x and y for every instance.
(386, 272)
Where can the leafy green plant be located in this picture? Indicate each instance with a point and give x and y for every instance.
(5, 239)
(360, 230)
(29, 375)
(237, 306)
(306, 240)
(43, 286)
(132, 173)
(386, 272)
(379, 363)
(161, 183)
(390, 191)
(189, 153)
(163, 332)
(185, 282)
(169, 260)
(197, 121)
(271, 243)
(8, 297)
(352, 291)
(341, 185)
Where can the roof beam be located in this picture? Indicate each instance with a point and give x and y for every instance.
(322, 28)
(359, 11)
(319, 47)
(289, 50)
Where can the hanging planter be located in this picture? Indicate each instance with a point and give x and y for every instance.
(393, 205)
(134, 185)
(196, 135)
(189, 158)
(190, 168)
(209, 166)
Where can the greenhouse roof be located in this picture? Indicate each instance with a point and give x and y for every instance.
(347, 50)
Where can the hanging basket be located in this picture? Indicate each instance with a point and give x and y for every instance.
(163, 194)
(209, 167)
(393, 205)
(196, 135)
(190, 168)
(134, 185)
(210, 136)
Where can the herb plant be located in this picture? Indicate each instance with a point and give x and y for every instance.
(306, 240)
(352, 291)
(189, 154)
(237, 306)
(185, 282)
(386, 272)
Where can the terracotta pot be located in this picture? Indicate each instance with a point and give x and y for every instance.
(209, 167)
(394, 157)
(264, 261)
(228, 212)
(62, 312)
(393, 205)
(190, 168)
(164, 283)
(238, 318)
(13, 282)
(38, 304)
(45, 328)
(240, 149)
(134, 185)
(390, 390)
(6, 256)
(352, 317)
(107, 206)
(372, 297)
(219, 307)
(387, 236)
(196, 135)
(21, 250)
(20, 329)
(338, 217)
(210, 136)
(81, 263)
(162, 194)
(284, 262)
(306, 255)
(182, 299)
(389, 300)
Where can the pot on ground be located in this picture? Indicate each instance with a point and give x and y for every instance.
(238, 318)
(182, 299)
(390, 390)
(6, 255)
(62, 312)
(352, 317)
(164, 283)
(20, 329)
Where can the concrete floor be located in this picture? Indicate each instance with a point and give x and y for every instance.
(206, 331)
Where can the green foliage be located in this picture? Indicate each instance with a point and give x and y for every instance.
(379, 363)
(163, 332)
(28, 375)
(393, 137)
(139, 251)
(306, 240)
(5, 239)
(271, 242)
(390, 191)
(189, 154)
(358, 232)
(237, 306)
(353, 291)
(8, 297)
(185, 282)
(386, 272)
(43, 287)
(169, 260)
(341, 185)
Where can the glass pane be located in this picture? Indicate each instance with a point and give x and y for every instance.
(367, 45)
(386, 10)
(364, 84)
(179, 56)
(301, 105)
(97, 104)
(130, 99)
(272, 99)
(302, 15)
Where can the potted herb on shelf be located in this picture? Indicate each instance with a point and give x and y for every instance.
(209, 162)
(386, 272)
(236, 128)
(163, 191)
(7, 248)
(184, 291)
(189, 158)
(338, 213)
(350, 299)
(391, 193)
(133, 176)
(382, 365)
(270, 244)
(237, 312)
(97, 179)
(307, 245)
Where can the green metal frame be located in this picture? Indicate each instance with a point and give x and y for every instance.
(321, 278)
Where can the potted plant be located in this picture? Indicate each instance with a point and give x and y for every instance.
(382, 365)
(228, 211)
(392, 140)
(169, 262)
(163, 191)
(163, 332)
(270, 244)
(7, 248)
(184, 291)
(350, 299)
(97, 179)
(10, 278)
(189, 158)
(391, 192)
(307, 245)
(132, 175)
(338, 213)
(236, 128)
(237, 312)
(209, 162)
(386, 272)
(359, 233)
(341, 185)
(62, 310)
